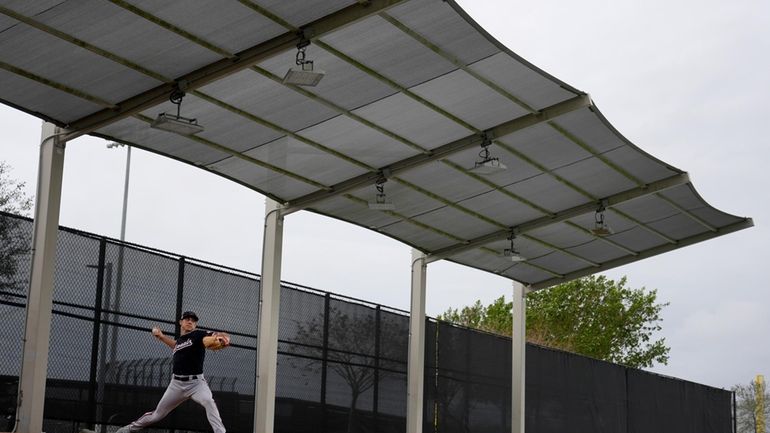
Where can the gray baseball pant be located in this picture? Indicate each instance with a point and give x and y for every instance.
(177, 392)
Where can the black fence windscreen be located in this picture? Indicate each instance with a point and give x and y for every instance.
(342, 363)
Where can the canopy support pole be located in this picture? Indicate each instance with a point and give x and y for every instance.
(519, 342)
(416, 366)
(37, 331)
(269, 307)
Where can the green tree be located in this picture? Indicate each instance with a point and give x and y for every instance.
(14, 245)
(13, 199)
(752, 406)
(592, 316)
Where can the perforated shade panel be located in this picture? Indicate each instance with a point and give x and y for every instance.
(414, 93)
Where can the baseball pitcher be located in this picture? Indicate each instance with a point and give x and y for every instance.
(187, 381)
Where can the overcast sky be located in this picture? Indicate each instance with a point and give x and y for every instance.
(686, 81)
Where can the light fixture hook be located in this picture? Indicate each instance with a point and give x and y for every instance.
(599, 216)
(177, 95)
(380, 184)
(511, 252)
(176, 123)
(301, 58)
(600, 225)
(303, 74)
(486, 141)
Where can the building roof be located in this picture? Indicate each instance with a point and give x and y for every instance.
(415, 94)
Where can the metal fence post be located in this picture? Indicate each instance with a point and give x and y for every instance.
(95, 335)
(735, 414)
(179, 296)
(102, 376)
(324, 362)
(438, 410)
(467, 407)
(375, 398)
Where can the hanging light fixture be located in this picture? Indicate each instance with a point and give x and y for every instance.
(487, 164)
(511, 252)
(381, 201)
(601, 228)
(303, 74)
(175, 122)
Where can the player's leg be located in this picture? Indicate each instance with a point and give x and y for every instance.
(202, 395)
(172, 398)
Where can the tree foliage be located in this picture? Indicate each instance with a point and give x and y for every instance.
(13, 244)
(13, 199)
(752, 405)
(592, 316)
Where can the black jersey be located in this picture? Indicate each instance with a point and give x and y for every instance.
(189, 353)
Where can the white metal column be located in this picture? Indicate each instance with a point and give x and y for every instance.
(519, 342)
(39, 298)
(416, 367)
(269, 307)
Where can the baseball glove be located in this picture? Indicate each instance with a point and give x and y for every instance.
(222, 340)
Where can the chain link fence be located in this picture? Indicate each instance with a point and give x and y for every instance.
(342, 362)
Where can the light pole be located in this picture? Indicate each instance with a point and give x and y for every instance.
(115, 308)
(125, 192)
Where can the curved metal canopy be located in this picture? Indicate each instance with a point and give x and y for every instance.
(414, 94)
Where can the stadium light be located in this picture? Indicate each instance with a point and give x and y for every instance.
(175, 122)
(304, 74)
(487, 164)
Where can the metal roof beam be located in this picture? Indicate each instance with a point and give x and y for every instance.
(394, 85)
(275, 127)
(172, 28)
(599, 155)
(454, 60)
(403, 218)
(566, 183)
(427, 43)
(329, 104)
(202, 167)
(505, 269)
(57, 85)
(81, 43)
(744, 224)
(241, 156)
(227, 66)
(687, 213)
(444, 151)
(145, 71)
(125, 62)
(561, 250)
(475, 215)
(557, 217)
(449, 57)
(602, 238)
(643, 226)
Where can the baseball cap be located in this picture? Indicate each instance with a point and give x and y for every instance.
(189, 314)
